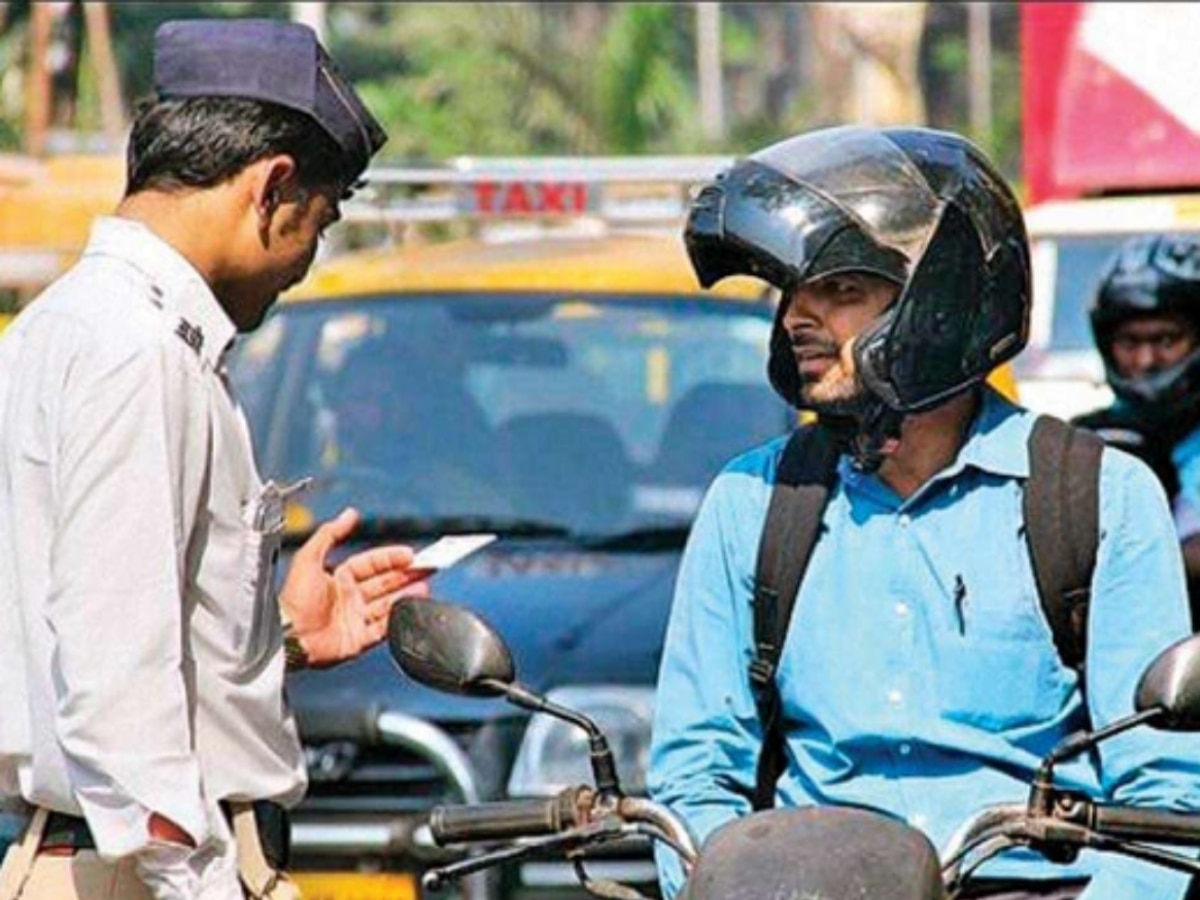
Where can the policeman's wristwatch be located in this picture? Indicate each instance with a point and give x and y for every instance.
(294, 653)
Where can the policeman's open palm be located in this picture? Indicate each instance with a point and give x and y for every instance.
(340, 614)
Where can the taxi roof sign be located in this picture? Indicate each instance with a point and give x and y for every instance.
(528, 198)
(615, 190)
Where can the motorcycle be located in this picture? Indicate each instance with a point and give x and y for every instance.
(831, 853)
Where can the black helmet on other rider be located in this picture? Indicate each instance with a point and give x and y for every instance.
(1146, 322)
(921, 209)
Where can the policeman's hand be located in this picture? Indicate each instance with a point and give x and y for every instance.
(338, 615)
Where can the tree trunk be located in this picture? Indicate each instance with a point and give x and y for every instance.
(314, 14)
(39, 97)
(708, 66)
(98, 22)
(870, 53)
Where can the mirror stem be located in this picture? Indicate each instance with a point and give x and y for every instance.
(1042, 793)
(604, 765)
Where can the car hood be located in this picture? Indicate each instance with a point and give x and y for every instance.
(569, 616)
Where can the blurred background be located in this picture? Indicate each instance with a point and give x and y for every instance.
(559, 319)
(1077, 103)
(536, 78)
(504, 79)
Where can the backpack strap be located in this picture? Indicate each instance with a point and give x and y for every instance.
(806, 473)
(1062, 524)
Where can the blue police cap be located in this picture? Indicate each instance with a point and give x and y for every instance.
(270, 60)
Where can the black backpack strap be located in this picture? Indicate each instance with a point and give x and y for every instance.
(807, 470)
(1062, 524)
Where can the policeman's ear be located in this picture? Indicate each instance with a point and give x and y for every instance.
(272, 182)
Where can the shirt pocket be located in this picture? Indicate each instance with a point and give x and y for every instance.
(999, 682)
(262, 539)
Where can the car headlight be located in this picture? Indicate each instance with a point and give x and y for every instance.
(554, 754)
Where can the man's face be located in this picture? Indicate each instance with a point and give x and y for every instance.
(1149, 344)
(287, 249)
(821, 319)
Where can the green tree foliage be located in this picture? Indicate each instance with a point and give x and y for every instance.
(477, 78)
(642, 97)
(134, 25)
(557, 78)
(13, 28)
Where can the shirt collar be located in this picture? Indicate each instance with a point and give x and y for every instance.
(176, 286)
(997, 442)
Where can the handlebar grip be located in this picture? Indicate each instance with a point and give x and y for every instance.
(1155, 826)
(503, 820)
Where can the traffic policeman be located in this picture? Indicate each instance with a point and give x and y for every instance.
(142, 650)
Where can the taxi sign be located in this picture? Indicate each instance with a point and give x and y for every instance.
(528, 198)
(639, 191)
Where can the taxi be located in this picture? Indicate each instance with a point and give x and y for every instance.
(568, 388)
(47, 207)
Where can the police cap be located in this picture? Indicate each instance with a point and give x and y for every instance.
(270, 60)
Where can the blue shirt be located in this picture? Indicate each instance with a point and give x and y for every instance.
(1186, 457)
(920, 677)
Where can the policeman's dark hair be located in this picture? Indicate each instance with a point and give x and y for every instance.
(202, 142)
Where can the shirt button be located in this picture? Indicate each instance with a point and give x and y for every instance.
(905, 749)
(902, 609)
(895, 697)
(905, 520)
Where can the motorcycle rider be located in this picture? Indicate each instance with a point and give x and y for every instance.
(1146, 322)
(919, 677)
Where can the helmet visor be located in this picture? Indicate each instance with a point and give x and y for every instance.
(845, 199)
(870, 178)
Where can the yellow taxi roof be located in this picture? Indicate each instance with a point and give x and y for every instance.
(46, 211)
(51, 203)
(651, 264)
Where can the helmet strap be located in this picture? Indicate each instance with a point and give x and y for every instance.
(869, 437)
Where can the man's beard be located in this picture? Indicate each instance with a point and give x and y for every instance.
(839, 391)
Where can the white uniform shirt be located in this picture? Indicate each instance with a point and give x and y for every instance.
(141, 663)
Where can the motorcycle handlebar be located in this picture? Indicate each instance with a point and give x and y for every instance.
(502, 820)
(1155, 826)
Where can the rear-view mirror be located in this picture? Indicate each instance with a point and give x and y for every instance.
(449, 648)
(1172, 684)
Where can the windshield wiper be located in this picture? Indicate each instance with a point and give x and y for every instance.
(640, 540)
(388, 528)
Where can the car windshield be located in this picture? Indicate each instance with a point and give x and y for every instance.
(595, 415)
(1079, 263)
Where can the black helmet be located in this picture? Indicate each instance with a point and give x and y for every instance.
(1148, 276)
(923, 209)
